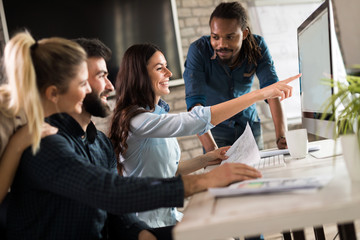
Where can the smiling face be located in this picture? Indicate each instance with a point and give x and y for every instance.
(159, 74)
(96, 102)
(72, 100)
(226, 38)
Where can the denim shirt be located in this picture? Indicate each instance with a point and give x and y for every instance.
(209, 82)
(154, 150)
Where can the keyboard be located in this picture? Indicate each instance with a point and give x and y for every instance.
(270, 162)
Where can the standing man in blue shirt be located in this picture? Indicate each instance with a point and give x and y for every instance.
(222, 66)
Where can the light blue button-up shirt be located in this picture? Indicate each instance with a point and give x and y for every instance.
(154, 151)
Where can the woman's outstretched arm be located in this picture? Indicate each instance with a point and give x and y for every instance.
(222, 111)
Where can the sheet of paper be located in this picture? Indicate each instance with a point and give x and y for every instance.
(271, 185)
(244, 149)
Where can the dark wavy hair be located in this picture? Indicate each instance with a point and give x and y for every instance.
(234, 10)
(94, 48)
(134, 93)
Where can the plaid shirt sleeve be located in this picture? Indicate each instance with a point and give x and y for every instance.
(59, 169)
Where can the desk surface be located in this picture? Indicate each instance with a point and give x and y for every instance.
(207, 217)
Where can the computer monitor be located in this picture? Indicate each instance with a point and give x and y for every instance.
(319, 58)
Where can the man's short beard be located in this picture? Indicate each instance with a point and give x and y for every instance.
(93, 105)
(227, 61)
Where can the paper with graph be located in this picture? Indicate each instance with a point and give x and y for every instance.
(271, 185)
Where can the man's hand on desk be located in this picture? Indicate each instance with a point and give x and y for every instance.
(221, 176)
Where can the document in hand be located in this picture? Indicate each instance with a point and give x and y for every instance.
(244, 149)
(270, 185)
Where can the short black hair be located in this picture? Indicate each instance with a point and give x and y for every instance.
(94, 48)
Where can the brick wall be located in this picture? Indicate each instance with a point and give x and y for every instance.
(193, 18)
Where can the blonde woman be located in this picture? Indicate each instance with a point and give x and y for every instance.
(43, 77)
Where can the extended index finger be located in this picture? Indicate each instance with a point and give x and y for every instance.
(290, 79)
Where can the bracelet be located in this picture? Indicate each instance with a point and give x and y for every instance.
(277, 140)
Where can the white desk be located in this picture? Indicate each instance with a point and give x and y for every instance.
(207, 217)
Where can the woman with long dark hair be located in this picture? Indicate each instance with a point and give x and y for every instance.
(144, 135)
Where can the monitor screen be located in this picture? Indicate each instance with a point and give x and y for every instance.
(118, 23)
(315, 64)
(319, 58)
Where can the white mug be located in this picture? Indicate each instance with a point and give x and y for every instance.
(297, 143)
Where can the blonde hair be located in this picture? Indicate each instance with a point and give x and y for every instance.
(30, 68)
